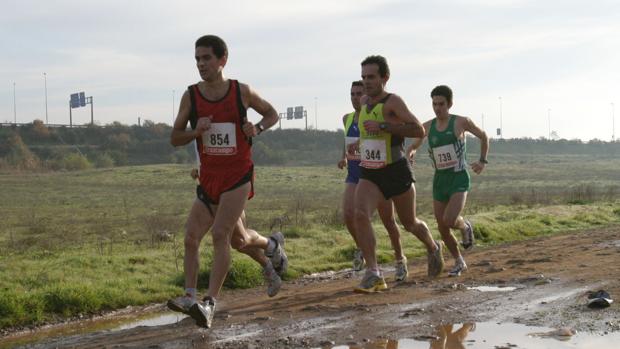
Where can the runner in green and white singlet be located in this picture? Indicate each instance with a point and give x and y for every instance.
(451, 182)
(385, 173)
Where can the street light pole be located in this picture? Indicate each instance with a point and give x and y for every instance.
(46, 119)
(613, 123)
(316, 122)
(14, 106)
(501, 128)
(549, 120)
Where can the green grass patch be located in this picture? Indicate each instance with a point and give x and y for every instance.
(88, 241)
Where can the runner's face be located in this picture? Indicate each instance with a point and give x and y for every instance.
(441, 106)
(373, 82)
(356, 93)
(209, 66)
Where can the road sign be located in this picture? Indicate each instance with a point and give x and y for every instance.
(299, 112)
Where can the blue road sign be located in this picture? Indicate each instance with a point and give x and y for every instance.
(75, 100)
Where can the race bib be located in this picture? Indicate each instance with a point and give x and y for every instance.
(373, 154)
(220, 139)
(356, 155)
(445, 157)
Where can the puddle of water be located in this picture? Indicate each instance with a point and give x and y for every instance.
(489, 335)
(80, 328)
(492, 288)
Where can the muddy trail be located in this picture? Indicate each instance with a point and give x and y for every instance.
(529, 294)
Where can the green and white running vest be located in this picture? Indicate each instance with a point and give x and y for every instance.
(446, 151)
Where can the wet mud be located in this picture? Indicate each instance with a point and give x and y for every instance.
(513, 296)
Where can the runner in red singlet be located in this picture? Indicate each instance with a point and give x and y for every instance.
(216, 110)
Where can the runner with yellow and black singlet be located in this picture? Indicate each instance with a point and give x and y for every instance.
(451, 182)
(385, 208)
(385, 173)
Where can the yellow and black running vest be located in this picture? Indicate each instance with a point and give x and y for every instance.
(378, 149)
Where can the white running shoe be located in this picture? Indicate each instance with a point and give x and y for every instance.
(273, 280)
(401, 270)
(358, 260)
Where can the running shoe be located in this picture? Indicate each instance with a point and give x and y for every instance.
(278, 256)
(272, 279)
(203, 312)
(401, 270)
(435, 261)
(468, 236)
(458, 268)
(358, 260)
(371, 283)
(181, 304)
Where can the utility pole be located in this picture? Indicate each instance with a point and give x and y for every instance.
(613, 123)
(45, 78)
(501, 128)
(549, 121)
(316, 122)
(14, 106)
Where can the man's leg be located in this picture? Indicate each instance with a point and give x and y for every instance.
(439, 209)
(405, 205)
(251, 243)
(367, 197)
(386, 213)
(227, 217)
(197, 225)
(348, 211)
(451, 218)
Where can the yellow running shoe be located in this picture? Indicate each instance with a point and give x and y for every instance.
(371, 283)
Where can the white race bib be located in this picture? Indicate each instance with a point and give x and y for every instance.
(373, 154)
(351, 140)
(445, 157)
(220, 139)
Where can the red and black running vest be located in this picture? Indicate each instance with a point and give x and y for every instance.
(224, 149)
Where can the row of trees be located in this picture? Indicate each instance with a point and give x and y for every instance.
(37, 146)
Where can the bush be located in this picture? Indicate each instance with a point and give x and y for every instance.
(76, 162)
(104, 160)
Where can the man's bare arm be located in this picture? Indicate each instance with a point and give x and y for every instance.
(264, 108)
(180, 135)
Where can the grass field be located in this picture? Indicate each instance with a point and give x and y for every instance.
(78, 243)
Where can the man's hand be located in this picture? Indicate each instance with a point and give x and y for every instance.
(203, 125)
(342, 163)
(372, 126)
(478, 167)
(249, 129)
(411, 155)
(353, 148)
(194, 173)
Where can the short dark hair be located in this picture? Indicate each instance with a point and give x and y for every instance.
(357, 83)
(215, 42)
(384, 69)
(442, 90)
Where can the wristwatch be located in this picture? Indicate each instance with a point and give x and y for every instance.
(383, 126)
(484, 161)
(260, 128)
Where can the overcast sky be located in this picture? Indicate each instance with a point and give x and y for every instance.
(543, 58)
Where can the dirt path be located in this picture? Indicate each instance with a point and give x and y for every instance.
(551, 276)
